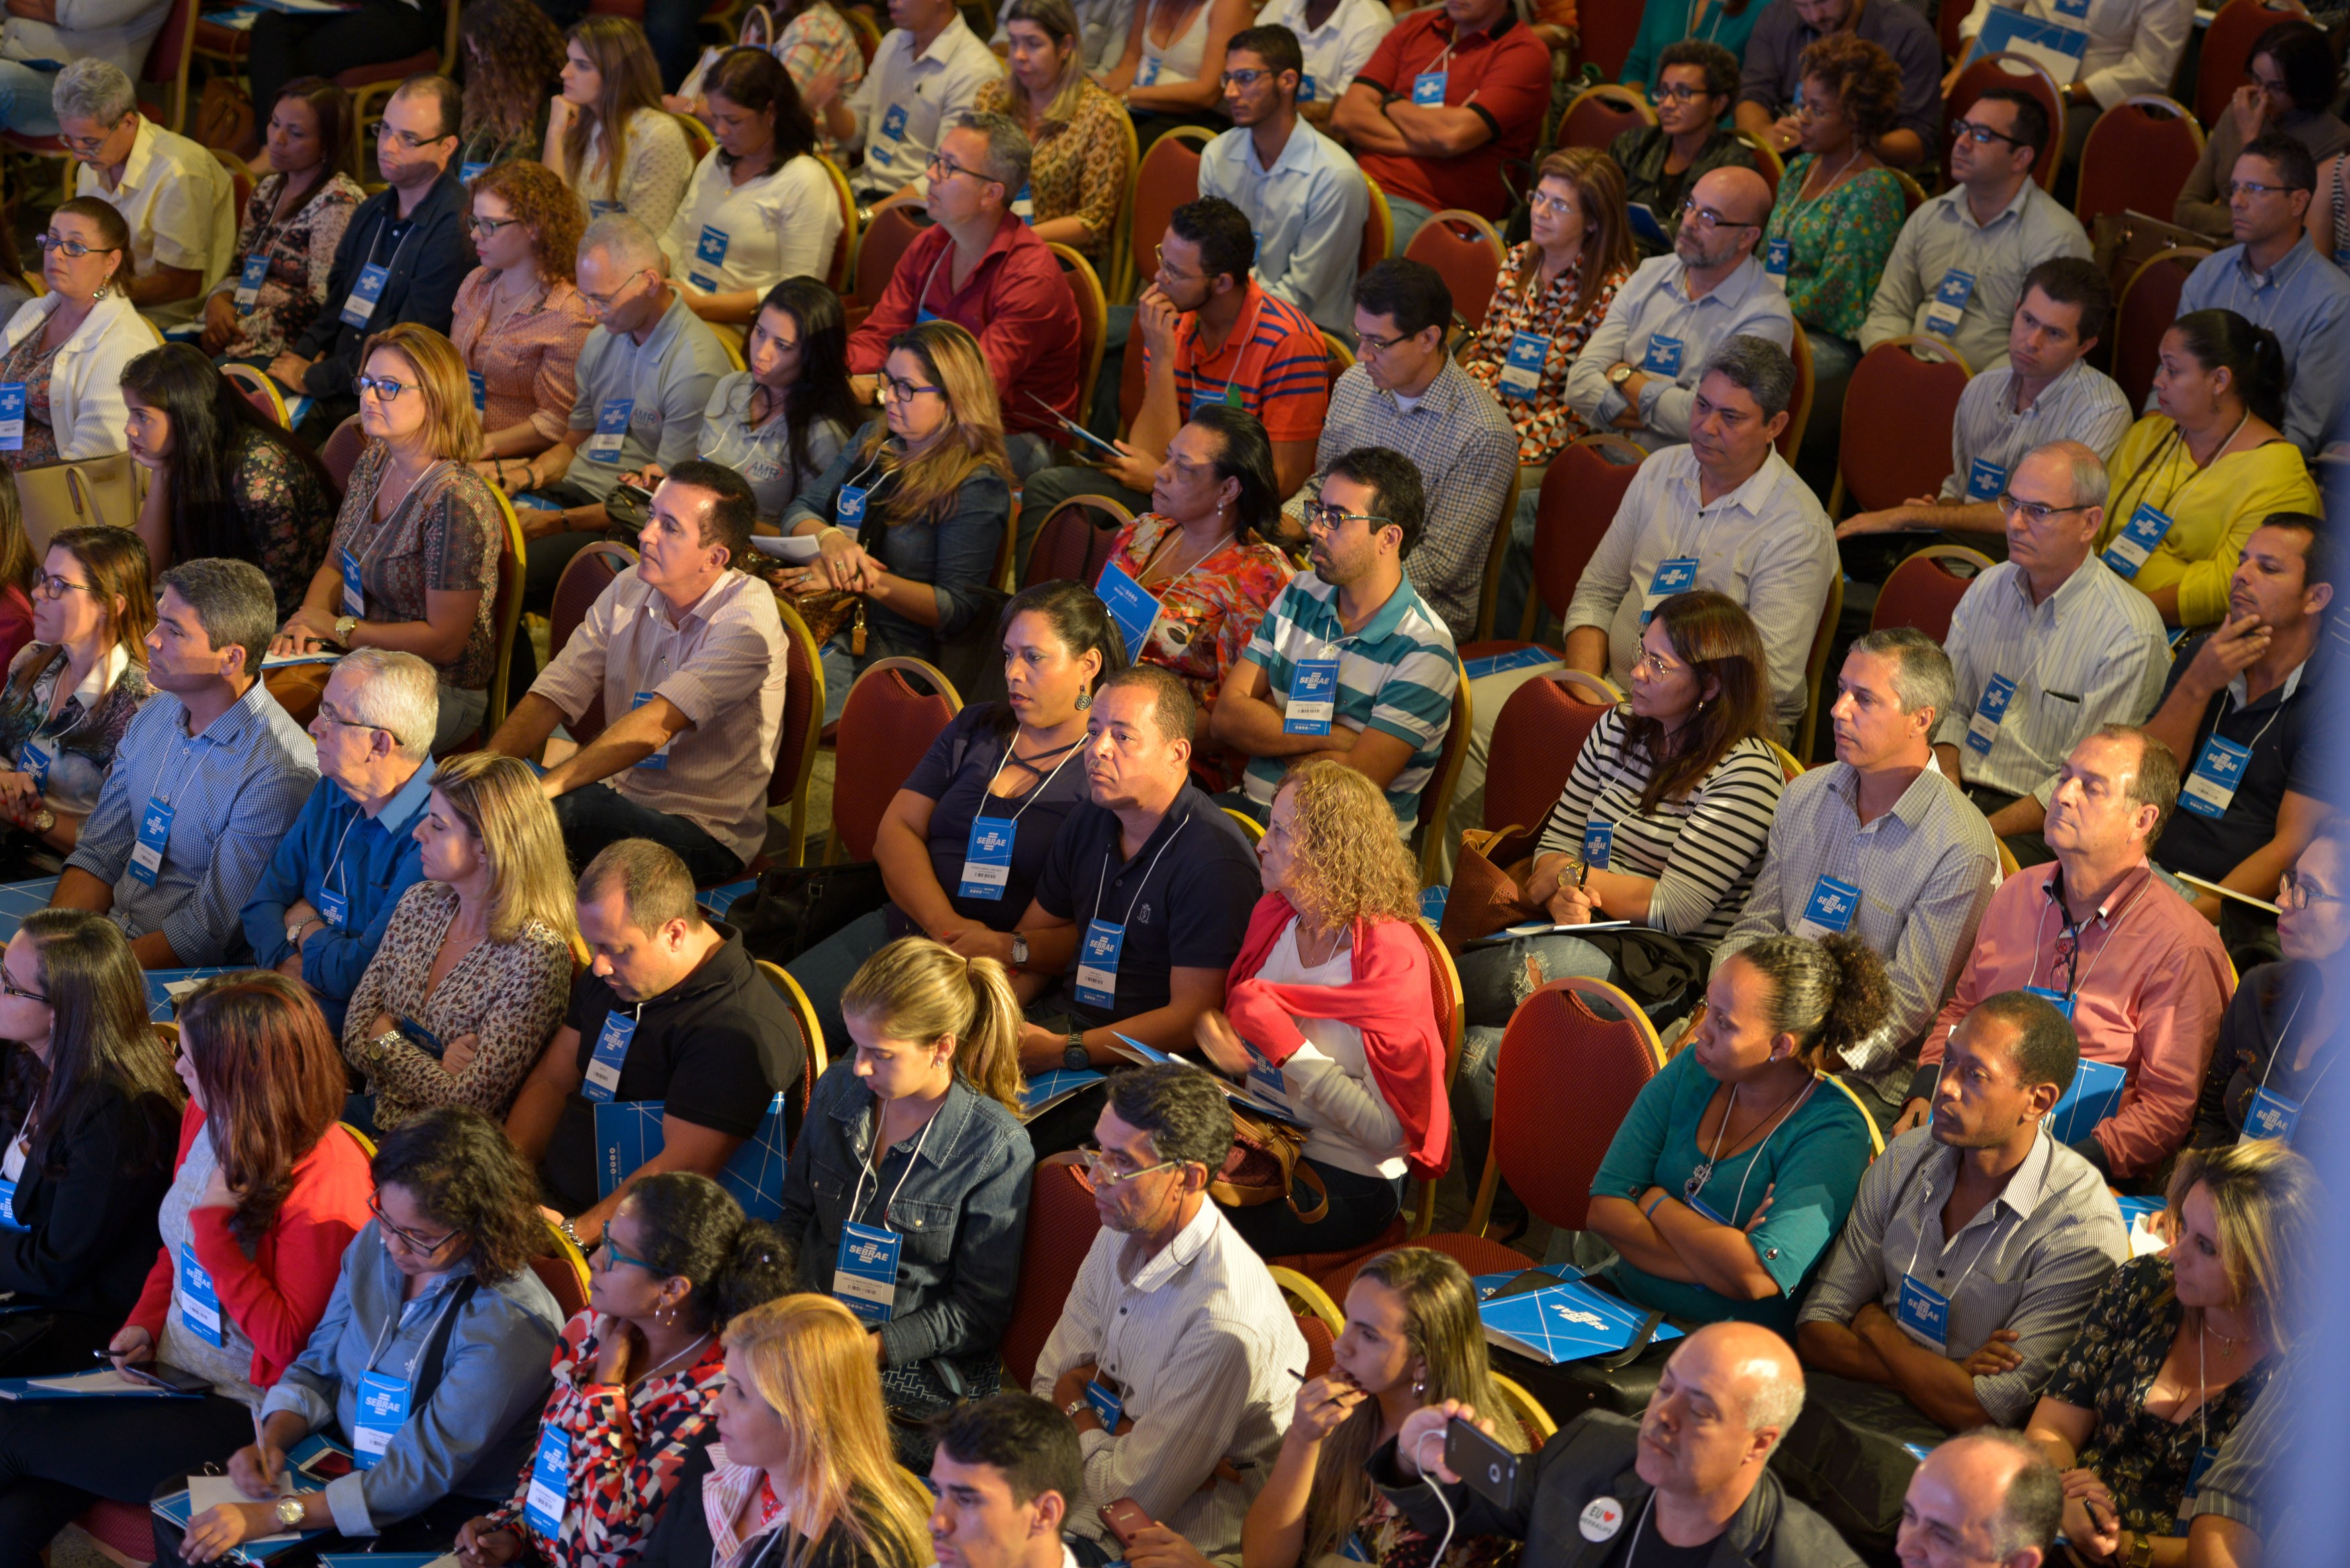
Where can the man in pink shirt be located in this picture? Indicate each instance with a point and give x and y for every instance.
(2135, 967)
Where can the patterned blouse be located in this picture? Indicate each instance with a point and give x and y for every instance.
(301, 254)
(651, 184)
(526, 357)
(444, 536)
(819, 42)
(628, 1447)
(30, 363)
(1545, 425)
(1206, 618)
(1837, 244)
(2143, 1459)
(80, 741)
(1080, 166)
(287, 511)
(509, 994)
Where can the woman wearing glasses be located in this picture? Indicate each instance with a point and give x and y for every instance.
(519, 320)
(268, 1193)
(760, 208)
(607, 133)
(1077, 175)
(910, 518)
(637, 1376)
(413, 563)
(292, 224)
(67, 349)
(432, 1356)
(470, 979)
(1696, 81)
(224, 479)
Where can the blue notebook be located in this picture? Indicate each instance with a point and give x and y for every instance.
(718, 900)
(18, 900)
(629, 1133)
(1566, 1321)
(1043, 1091)
(1232, 1092)
(2096, 1093)
(316, 1460)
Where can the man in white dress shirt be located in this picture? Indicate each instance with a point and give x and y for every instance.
(1337, 37)
(2100, 53)
(929, 69)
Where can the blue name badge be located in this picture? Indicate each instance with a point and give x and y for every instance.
(354, 587)
(1130, 605)
(12, 416)
(358, 307)
(987, 857)
(154, 838)
(1428, 89)
(603, 1080)
(249, 279)
(1312, 698)
(605, 209)
(1829, 910)
(333, 908)
(8, 1220)
(1023, 206)
(1983, 728)
(611, 430)
(2138, 541)
(550, 1482)
(2054, 998)
(865, 1270)
(657, 758)
(893, 124)
(1599, 842)
(481, 391)
(33, 762)
(416, 1034)
(2075, 9)
(1663, 356)
(1097, 958)
(1522, 371)
(1775, 255)
(1924, 1314)
(1985, 480)
(2218, 775)
(1306, 89)
(1265, 1077)
(1705, 1210)
(469, 173)
(1108, 1406)
(376, 1416)
(848, 507)
(2271, 1115)
(200, 1306)
(709, 253)
(1677, 576)
(1949, 302)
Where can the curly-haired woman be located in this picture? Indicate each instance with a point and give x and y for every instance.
(514, 64)
(1327, 1011)
(519, 321)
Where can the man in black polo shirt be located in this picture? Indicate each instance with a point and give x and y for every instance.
(671, 1009)
(2244, 704)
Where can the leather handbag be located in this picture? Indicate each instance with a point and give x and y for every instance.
(1485, 898)
(80, 493)
(1266, 1165)
(795, 907)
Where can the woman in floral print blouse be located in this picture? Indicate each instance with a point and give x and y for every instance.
(1078, 175)
(637, 1375)
(2176, 1348)
(292, 225)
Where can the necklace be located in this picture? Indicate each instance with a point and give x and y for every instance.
(673, 1360)
(1698, 1178)
(1175, 531)
(1852, 158)
(2227, 1346)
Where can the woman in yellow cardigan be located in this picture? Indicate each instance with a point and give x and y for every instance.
(2193, 480)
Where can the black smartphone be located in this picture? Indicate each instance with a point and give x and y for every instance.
(1483, 1466)
(164, 1375)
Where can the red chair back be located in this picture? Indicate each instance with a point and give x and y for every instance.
(1062, 1221)
(1897, 426)
(884, 241)
(1550, 1143)
(803, 712)
(1166, 178)
(1599, 115)
(585, 578)
(1925, 589)
(341, 451)
(1321, 1352)
(1536, 738)
(884, 730)
(1466, 252)
(562, 1281)
(2006, 70)
(1580, 497)
(2138, 159)
(1607, 30)
(2227, 54)
(1069, 546)
(2149, 304)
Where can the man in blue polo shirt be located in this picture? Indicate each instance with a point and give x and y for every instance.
(1350, 664)
(320, 910)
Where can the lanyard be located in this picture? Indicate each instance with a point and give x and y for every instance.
(2075, 982)
(2311, 1089)
(375, 243)
(1030, 798)
(391, 1326)
(1102, 883)
(2177, 437)
(336, 864)
(1248, 334)
(2233, 708)
(1926, 1203)
(1697, 1183)
(165, 766)
(922, 300)
(857, 1201)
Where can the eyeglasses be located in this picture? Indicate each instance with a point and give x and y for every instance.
(605, 302)
(1101, 1173)
(1677, 92)
(2038, 511)
(614, 1257)
(384, 386)
(2256, 188)
(1654, 663)
(13, 989)
(331, 717)
(899, 392)
(1244, 79)
(408, 1239)
(2292, 893)
(73, 248)
(378, 130)
(90, 144)
(1556, 206)
(1322, 514)
(491, 225)
(942, 167)
(1979, 133)
(1158, 253)
(1706, 217)
(1365, 343)
(2275, 86)
(54, 587)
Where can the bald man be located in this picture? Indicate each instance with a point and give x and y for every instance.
(1637, 372)
(1987, 1497)
(1692, 1470)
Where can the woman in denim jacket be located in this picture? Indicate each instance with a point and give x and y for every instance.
(908, 1189)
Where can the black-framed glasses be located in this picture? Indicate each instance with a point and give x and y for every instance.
(942, 167)
(1976, 132)
(1370, 342)
(482, 226)
(331, 717)
(377, 129)
(415, 1243)
(1706, 217)
(2038, 511)
(2068, 953)
(2292, 893)
(605, 302)
(90, 144)
(387, 387)
(1322, 514)
(73, 248)
(899, 392)
(54, 587)
(2257, 188)
(13, 989)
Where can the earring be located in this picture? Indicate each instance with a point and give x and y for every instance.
(1418, 1386)
(1085, 701)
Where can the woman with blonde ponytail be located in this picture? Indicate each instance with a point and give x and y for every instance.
(908, 1189)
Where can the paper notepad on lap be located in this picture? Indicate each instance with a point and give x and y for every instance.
(211, 1491)
(797, 548)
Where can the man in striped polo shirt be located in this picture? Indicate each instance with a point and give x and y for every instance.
(1350, 663)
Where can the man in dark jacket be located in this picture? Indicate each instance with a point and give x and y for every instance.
(1692, 1470)
(402, 259)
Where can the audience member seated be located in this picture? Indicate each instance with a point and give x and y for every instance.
(402, 257)
(1958, 270)
(1447, 99)
(607, 134)
(637, 1376)
(213, 743)
(2290, 84)
(1662, 24)
(2047, 646)
(928, 71)
(718, 1046)
(1077, 175)
(292, 225)
(512, 52)
(802, 1460)
(1408, 396)
(2045, 391)
(284, 46)
(1880, 843)
(268, 1192)
(20, 573)
(413, 563)
(439, 1285)
(931, 1045)
(2265, 1072)
(1007, 1471)
(34, 49)
(1987, 1495)
(1636, 374)
(2329, 214)
(471, 977)
(1171, 73)
(174, 195)
(1691, 1474)
(1328, 1015)
(69, 348)
(1175, 1353)
(1000, 285)
(1694, 83)
(2129, 49)
(224, 479)
(86, 1114)
(1898, 1356)
(684, 655)
(2178, 1346)
(2154, 1011)
(1776, 555)
(761, 207)
(2244, 1495)
(320, 910)
(1334, 41)
(1776, 98)
(519, 322)
(73, 690)
(1305, 197)
(945, 881)
(2200, 473)
(1103, 24)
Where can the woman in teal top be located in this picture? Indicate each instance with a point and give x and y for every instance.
(1732, 1175)
(1724, 22)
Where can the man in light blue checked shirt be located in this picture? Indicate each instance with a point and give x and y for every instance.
(206, 781)
(1350, 664)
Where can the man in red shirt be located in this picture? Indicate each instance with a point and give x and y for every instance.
(982, 268)
(1450, 95)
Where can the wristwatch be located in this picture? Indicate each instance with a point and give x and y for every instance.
(291, 1511)
(294, 932)
(343, 624)
(1074, 1055)
(44, 820)
(2141, 1552)
(1619, 375)
(1075, 1409)
(1019, 951)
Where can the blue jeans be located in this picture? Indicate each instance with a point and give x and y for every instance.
(593, 816)
(25, 106)
(825, 971)
(1409, 217)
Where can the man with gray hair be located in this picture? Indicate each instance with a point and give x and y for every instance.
(206, 781)
(2047, 646)
(174, 194)
(1988, 1496)
(320, 910)
(1692, 1472)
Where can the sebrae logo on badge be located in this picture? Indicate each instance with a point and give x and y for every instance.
(866, 1253)
(380, 1401)
(1602, 1518)
(990, 839)
(1831, 903)
(1098, 947)
(155, 824)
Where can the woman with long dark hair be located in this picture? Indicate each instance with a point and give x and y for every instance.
(224, 479)
(292, 224)
(760, 207)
